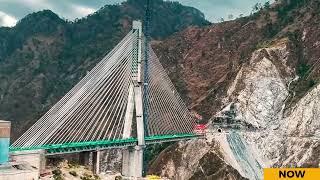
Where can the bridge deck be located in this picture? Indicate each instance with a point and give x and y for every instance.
(101, 145)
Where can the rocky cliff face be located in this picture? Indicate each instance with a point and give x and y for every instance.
(196, 159)
(276, 138)
(282, 138)
(271, 87)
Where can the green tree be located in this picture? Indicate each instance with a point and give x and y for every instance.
(257, 7)
(267, 5)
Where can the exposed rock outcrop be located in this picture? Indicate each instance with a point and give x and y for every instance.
(196, 159)
(279, 136)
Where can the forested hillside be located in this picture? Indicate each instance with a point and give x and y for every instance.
(43, 56)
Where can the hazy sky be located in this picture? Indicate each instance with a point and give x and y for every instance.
(13, 10)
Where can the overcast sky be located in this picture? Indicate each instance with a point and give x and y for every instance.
(13, 10)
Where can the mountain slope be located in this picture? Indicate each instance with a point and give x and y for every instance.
(262, 73)
(43, 56)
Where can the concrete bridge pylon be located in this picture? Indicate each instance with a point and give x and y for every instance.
(132, 158)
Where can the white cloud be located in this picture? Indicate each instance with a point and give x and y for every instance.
(68, 9)
(80, 11)
(35, 4)
(72, 9)
(83, 10)
(63, 8)
(7, 20)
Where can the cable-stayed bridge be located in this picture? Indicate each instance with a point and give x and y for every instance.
(126, 101)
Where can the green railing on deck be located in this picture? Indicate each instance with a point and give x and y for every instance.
(100, 144)
(169, 136)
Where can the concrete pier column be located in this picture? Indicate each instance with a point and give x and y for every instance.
(126, 162)
(43, 161)
(84, 158)
(132, 161)
(96, 162)
(138, 162)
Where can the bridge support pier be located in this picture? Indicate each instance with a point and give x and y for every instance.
(132, 161)
(96, 162)
(126, 162)
(138, 153)
(84, 158)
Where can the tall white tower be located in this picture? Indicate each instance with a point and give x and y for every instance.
(132, 163)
